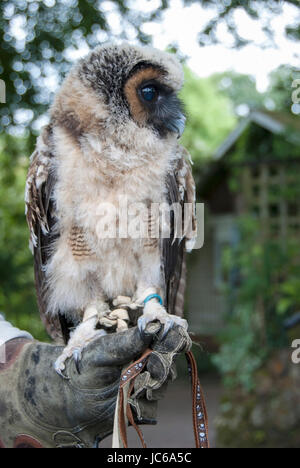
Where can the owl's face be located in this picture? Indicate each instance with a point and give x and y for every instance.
(136, 83)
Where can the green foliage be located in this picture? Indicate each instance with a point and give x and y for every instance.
(257, 145)
(241, 89)
(280, 88)
(268, 417)
(289, 289)
(17, 295)
(267, 293)
(239, 356)
(210, 116)
(225, 9)
(266, 270)
(49, 29)
(266, 287)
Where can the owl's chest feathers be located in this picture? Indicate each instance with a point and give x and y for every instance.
(86, 190)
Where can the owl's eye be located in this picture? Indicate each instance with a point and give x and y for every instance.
(149, 93)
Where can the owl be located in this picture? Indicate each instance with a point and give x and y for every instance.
(112, 137)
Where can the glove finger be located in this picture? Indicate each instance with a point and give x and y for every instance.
(177, 340)
(118, 349)
(159, 366)
(161, 363)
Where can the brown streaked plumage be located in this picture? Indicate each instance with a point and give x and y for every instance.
(106, 139)
(78, 244)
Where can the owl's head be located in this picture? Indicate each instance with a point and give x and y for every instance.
(135, 83)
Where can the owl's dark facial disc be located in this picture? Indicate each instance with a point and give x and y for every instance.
(154, 104)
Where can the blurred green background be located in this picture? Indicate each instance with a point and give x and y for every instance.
(39, 40)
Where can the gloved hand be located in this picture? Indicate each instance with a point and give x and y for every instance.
(151, 385)
(39, 409)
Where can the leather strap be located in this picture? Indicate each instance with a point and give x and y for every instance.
(200, 419)
(128, 376)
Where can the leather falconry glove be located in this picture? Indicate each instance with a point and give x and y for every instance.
(150, 386)
(39, 409)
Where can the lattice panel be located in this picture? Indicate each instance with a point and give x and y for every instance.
(272, 194)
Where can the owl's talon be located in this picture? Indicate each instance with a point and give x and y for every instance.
(167, 327)
(156, 312)
(77, 358)
(59, 367)
(84, 334)
(142, 323)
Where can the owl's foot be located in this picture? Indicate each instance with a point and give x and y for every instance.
(122, 301)
(154, 311)
(84, 334)
(126, 302)
(117, 319)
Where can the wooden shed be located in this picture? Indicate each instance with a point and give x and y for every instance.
(265, 150)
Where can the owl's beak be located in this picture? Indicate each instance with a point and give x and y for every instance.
(179, 124)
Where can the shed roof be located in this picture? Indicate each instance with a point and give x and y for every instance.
(275, 122)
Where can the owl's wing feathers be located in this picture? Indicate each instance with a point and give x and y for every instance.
(40, 215)
(180, 189)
